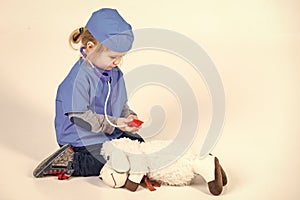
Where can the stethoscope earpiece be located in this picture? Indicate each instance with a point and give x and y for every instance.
(82, 51)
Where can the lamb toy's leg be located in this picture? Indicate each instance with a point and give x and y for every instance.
(138, 168)
(210, 169)
(133, 181)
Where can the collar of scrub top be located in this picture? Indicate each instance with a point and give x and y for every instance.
(104, 75)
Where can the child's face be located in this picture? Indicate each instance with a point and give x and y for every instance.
(107, 59)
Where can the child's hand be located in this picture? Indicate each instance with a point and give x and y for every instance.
(134, 121)
(123, 124)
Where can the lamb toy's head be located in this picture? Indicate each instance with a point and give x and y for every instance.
(125, 165)
(113, 178)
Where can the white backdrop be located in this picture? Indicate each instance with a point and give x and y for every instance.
(254, 44)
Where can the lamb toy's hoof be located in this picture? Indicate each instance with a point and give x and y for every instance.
(224, 177)
(131, 186)
(216, 186)
(133, 181)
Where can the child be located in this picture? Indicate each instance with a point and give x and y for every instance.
(91, 102)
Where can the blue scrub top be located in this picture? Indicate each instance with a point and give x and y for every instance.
(83, 90)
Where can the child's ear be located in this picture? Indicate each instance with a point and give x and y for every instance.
(90, 45)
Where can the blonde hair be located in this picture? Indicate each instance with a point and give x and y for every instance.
(82, 36)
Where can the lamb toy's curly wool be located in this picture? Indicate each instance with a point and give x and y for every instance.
(129, 161)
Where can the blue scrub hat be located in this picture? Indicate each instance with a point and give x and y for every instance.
(111, 30)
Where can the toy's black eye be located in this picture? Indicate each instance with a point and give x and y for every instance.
(107, 158)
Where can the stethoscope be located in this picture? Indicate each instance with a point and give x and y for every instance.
(106, 77)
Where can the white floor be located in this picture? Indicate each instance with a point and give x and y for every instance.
(263, 168)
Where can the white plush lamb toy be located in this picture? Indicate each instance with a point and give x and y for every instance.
(129, 161)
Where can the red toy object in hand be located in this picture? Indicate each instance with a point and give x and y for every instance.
(135, 123)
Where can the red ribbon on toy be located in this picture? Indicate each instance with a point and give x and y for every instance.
(150, 184)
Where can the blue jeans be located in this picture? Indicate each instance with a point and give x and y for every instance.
(87, 159)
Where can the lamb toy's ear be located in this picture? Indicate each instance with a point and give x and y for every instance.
(119, 161)
(115, 157)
